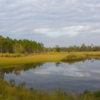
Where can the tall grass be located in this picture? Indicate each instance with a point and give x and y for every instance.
(11, 92)
(92, 54)
(34, 58)
(15, 59)
(10, 55)
(77, 56)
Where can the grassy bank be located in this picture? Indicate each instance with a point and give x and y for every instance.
(78, 56)
(10, 92)
(48, 57)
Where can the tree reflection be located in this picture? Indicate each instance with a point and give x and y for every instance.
(57, 64)
(18, 68)
(2, 74)
(72, 62)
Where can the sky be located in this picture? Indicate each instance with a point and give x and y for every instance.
(52, 22)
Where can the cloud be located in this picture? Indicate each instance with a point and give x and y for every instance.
(93, 5)
(20, 30)
(59, 21)
(96, 31)
(70, 31)
(43, 30)
(42, 72)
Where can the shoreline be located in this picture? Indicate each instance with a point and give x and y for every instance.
(48, 57)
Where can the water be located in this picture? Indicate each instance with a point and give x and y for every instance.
(70, 77)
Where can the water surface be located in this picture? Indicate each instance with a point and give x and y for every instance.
(72, 78)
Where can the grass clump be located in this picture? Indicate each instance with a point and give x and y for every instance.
(74, 57)
(79, 56)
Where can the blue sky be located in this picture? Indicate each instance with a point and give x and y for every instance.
(52, 22)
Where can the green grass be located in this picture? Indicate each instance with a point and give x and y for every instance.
(34, 58)
(47, 57)
(11, 92)
(78, 56)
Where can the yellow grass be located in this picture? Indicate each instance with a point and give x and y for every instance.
(44, 57)
(49, 57)
(75, 56)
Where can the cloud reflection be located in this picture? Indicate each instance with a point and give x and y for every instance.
(76, 77)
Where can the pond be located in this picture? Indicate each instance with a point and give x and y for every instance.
(70, 77)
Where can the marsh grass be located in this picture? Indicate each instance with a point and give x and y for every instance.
(10, 55)
(72, 57)
(33, 58)
(93, 54)
(78, 56)
(11, 92)
(14, 59)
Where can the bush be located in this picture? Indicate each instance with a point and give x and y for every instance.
(74, 57)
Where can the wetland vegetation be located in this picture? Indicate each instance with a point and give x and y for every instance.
(9, 90)
(26, 55)
(78, 56)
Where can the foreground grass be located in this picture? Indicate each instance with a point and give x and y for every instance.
(10, 92)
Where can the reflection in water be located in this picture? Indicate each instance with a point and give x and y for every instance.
(17, 68)
(91, 59)
(1, 74)
(75, 77)
(58, 63)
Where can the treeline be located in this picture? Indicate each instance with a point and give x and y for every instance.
(74, 48)
(8, 45)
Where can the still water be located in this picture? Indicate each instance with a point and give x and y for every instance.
(70, 77)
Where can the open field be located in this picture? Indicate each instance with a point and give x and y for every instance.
(48, 57)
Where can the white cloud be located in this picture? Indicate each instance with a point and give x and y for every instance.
(95, 71)
(19, 30)
(77, 28)
(42, 72)
(96, 31)
(77, 74)
(93, 5)
(56, 20)
(70, 31)
(42, 30)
